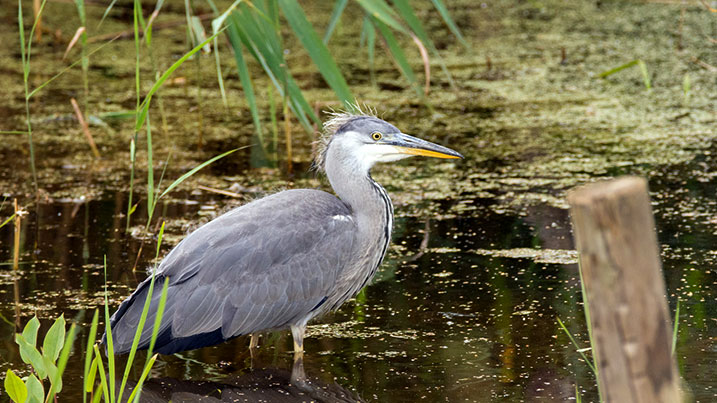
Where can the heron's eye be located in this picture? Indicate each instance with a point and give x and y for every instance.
(376, 136)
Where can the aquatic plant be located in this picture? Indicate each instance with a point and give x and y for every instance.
(254, 27)
(49, 363)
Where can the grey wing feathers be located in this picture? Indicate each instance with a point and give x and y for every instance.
(261, 266)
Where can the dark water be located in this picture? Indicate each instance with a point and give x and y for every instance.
(470, 317)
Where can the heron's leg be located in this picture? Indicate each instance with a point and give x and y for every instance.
(297, 331)
(254, 343)
(298, 375)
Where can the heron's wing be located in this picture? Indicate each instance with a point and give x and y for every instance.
(261, 266)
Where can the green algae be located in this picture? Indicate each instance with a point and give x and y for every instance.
(531, 123)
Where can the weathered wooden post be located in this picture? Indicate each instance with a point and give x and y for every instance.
(621, 270)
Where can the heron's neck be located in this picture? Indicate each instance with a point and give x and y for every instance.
(369, 202)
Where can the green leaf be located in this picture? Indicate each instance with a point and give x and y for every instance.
(150, 173)
(398, 56)
(52, 372)
(618, 68)
(109, 397)
(90, 375)
(15, 388)
(30, 331)
(194, 170)
(35, 391)
(645, 74)
(577, 347)
(216, 25)
(370, 33)
(30, 355)
(8, 220)
(21, 28)
(62, 362)
(639, 63)
(107, 11)
(54, 339)
(258, 35)
(339, 6)
(317, 50)
(443, 11)
(380, 10)
(406, 12)
(244, 77)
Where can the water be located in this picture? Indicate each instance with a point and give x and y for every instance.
(462, 310)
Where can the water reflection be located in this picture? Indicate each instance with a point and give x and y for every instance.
(259, 385)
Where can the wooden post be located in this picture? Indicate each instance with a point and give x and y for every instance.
(621, 271)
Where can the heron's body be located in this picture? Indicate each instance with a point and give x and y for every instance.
(276, 262)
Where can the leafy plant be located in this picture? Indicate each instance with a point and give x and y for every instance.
(47, 364)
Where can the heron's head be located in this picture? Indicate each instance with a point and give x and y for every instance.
(362, 141)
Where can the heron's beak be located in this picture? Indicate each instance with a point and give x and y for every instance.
(406, 144)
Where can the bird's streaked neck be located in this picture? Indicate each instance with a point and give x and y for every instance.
(353, 184)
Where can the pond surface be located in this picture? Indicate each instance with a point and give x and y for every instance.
(465, 308)
(482, 265)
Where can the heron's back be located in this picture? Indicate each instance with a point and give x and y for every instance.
(266, 265)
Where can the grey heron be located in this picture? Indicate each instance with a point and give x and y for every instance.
(281, 260)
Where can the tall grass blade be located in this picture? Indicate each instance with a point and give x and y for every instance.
(398, 55)
(443, 11)
(339, 6)
(261, 40)
(109, 397)
(588, 322)
(160, 314)
(643, 70)
(195, 169)
(245, 78)
(132, 160)
(38, 16)
(110, 345)
(380, 10)
(408, 15)
(617, 69)
(88, 356)
(676, 326)
(80, 5)
(645, 74)
(150, 172)
(25, 55)
(138, 388)
(316, 48)
(216, 25)
(274, 147)
(142, 322)
(577, 347)
(63, 71)
(144, 106)
(370, 32)
(107, 11)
